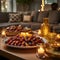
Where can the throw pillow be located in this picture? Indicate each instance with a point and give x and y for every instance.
(14, 17)
(27, 18)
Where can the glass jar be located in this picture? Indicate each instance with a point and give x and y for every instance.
(45, 27)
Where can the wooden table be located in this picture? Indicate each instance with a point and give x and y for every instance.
(17, 54)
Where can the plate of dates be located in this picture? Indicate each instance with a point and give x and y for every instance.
(24, 42)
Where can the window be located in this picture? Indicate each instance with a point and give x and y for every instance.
(50, 1)
(8, 5)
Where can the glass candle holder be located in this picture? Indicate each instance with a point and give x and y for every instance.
(41, 52)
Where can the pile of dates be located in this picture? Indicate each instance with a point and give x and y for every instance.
(24, 41)
(14, 28)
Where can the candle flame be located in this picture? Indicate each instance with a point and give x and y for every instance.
(3, 32)
(58, 35)
(41, 50)
(39, 32)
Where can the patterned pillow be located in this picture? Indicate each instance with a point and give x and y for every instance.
(14, 17)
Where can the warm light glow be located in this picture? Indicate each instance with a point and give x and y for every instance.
(58, 35)
(39, 32)
(45, 28)
(45, 31)
(40, 50)
(43, 2)
(25, 34)
(42, 6)
(3, 33)
(29, 35)
(52, 35)
(38, 10)
(58, 44)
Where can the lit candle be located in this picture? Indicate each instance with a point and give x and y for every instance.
(41, 53)
(58, 36)
(40, 50)
(39, 32)
(3, 33)
(58, 44)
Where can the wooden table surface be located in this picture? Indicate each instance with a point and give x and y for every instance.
(17, 53)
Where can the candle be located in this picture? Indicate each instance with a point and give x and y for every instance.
(41, 50)
(58, 36)
(58, 44)
(3, 33)
(39, 32)
(41, 53)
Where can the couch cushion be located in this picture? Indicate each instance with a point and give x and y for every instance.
(57, 28)
(26, 18)
(4, 17)
(42, 14)
(14, 17)
(26, 24)
(53, 17)
(34, 16)
(35, 26)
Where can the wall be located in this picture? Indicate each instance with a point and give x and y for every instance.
(58, 2)
(35, 5)
(48, 6)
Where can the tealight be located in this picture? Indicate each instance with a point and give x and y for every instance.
(40, 50)
(3, 33)
(39, 32)
(41, 53)
(58, 35)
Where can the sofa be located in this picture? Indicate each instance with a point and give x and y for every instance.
(32, 19)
